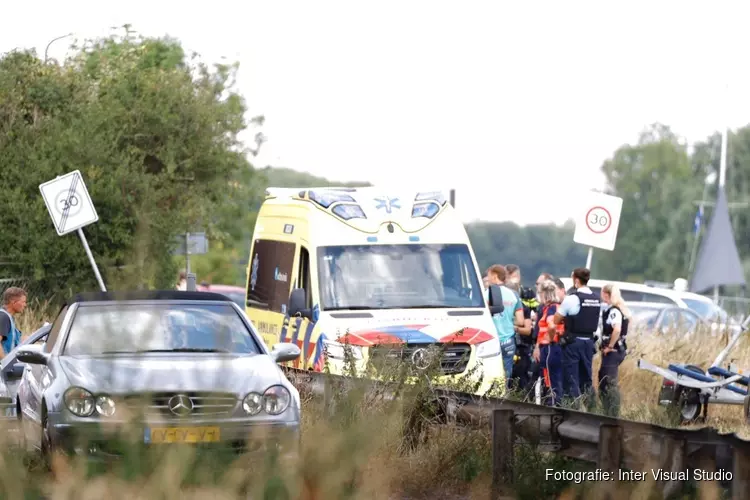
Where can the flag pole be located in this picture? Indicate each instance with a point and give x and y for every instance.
(722, 180)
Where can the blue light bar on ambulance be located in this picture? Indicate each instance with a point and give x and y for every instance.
(427, 210)
(349, 211)
(436, 196)
(326, 199)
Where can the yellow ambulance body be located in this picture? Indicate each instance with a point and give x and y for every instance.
(371, 270)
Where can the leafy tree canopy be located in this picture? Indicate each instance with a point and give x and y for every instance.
(155, 137)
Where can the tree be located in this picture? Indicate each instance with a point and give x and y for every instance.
(656, 181)
(535, 248)
(155, 137)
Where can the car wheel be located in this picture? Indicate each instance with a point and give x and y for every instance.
(22, 441)
(45, 443)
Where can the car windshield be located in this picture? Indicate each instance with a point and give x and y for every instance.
(129, 328)
(397, 277)
(705, 310)
(645, 316)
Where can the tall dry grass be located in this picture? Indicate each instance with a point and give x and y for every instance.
(361, 446)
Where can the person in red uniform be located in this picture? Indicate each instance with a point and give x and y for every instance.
(548, 352)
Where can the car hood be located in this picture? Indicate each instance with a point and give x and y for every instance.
(119, 374)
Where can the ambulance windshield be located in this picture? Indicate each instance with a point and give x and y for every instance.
(397, 277)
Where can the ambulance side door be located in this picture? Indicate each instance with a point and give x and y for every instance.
(299, 330)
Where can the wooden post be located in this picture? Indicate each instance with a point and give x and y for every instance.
(503, 439)
(610, 455)
(741, 474)
(672, 458)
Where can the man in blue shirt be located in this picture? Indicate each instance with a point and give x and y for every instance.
(509, 321)
(579, 311)
(13, 303)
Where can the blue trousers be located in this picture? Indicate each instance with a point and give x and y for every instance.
(508, 350)
(551, 363)
(577, 359)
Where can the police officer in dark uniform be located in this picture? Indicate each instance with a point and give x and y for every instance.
(615, 319)
(580, 312)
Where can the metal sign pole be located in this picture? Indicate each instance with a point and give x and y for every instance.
(187, 253)
(589, 258)
(91, 259)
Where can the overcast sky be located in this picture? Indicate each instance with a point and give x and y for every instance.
(499, 99)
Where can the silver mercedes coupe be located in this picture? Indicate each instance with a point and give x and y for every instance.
(168, 367)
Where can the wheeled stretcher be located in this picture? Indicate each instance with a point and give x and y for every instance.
(692, 389)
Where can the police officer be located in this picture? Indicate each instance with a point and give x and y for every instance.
(615, 319)
(579, 312)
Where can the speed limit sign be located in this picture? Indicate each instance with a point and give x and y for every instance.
(598, 220)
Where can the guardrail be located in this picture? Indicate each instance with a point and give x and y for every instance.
(625, 450)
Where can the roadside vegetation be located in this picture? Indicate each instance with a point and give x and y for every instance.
(358, 443)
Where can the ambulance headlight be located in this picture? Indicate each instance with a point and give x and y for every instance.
(337, 350)
(489, 348)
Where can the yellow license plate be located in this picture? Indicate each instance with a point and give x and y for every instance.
(185, 435)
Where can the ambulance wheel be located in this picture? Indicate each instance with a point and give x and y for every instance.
(689, 401)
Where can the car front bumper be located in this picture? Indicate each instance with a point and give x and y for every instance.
(99, 439)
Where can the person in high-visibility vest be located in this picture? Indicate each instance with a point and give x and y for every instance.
(547, 351)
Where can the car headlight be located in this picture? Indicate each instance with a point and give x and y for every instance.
(337, 350)
(79, 402)
(105, 406)
(253, 403)
(489, 348)
(276, 399)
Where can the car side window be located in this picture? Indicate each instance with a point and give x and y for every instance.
(55, 330)
(631, 296)
(652, 297)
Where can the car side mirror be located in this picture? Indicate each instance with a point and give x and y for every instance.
(496, 300)
(285, 351)
(297, 303)
(32, 356)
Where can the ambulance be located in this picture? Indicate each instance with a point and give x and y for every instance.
(353, 275)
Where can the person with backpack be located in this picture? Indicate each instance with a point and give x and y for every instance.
(509, 321)
(13, 303)
(615, 319)
(547, 351)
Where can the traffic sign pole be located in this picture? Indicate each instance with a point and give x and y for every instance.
(589, 257)
(91, 259)
(71, 209)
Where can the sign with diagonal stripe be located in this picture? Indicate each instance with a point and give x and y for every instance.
(68, 203)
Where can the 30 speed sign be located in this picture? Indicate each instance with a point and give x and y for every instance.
(598, 220)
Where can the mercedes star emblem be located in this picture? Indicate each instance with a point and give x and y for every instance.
(180, 405)
(421, 359)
